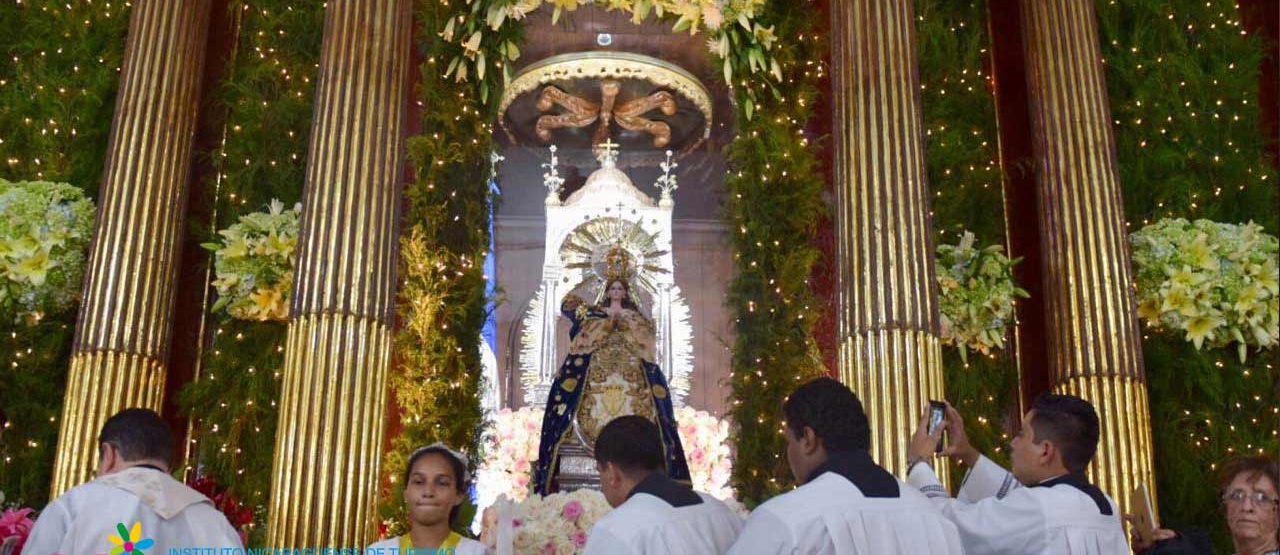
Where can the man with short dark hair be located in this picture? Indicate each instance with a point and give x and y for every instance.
(846, 503)
(133, 501)
(652, 514)
(1058, 512)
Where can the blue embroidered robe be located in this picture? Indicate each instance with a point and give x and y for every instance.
(618, 350)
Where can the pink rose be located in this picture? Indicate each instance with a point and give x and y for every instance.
(516, 523)
(550, 548)
(579, 538)
(572, 510)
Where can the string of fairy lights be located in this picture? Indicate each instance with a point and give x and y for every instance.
(1198, 138)
(59, 70)
(1201, 117)
(774, 201)
(56, 83)
(267, 93)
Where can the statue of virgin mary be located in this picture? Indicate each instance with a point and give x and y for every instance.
(608, 372)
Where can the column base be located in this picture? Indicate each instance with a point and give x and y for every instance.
(100, 384)
(894, 372)
(324, 480)
(1124, 447)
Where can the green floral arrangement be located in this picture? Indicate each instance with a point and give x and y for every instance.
(254, 264)
(1217, 283)
(44, 233)
(975, 295)
(733, 35)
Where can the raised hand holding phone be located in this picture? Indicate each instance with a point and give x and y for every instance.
(927, 438)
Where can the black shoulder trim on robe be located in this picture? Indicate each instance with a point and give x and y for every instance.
(857, 467)
(151, 466)
(1079, 482)
(659, 485)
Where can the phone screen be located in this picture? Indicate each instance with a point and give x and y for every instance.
(937, 412)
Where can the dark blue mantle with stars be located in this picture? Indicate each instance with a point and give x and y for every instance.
(562, 406)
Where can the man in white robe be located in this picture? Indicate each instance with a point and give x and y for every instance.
(1058, 512)
(653, 514)
(134, 504)
(847, 504)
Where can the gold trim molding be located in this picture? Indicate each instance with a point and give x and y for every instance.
(609, 65)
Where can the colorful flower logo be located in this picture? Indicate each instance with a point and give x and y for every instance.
(129, 542)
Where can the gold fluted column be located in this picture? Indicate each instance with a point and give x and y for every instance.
(890, 352)
(324, 479)
(1092, 331)
(121, 350)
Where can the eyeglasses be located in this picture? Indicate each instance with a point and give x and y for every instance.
(1259, 499)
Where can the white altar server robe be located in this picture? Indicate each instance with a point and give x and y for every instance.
(996, 514)
(168, 512)
(830, 515)
(646, 524)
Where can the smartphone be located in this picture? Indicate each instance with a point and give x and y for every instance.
(937, 413)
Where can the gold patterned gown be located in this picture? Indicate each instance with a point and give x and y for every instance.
(609, 372)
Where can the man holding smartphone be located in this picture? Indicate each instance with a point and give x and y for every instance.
(1046, 506)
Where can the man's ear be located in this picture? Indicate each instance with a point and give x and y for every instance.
(1048, 452)
(108, 458)
(809, 441)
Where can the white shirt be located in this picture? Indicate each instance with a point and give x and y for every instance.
(646, 525)
(830, 516)
(995, 514)
(391, 546)
(148, 501)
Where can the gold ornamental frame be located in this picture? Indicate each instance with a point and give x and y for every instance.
(609, 65)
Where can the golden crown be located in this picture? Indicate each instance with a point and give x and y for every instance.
(618, 265)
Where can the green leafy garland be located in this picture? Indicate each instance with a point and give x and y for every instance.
(773, 205)
(267, 94)
(741, 42)
(1183, 85)
(58, 78)
(435, 383)
(964, 175)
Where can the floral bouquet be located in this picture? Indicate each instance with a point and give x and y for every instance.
(239, 515)
(557, 524)
(975, 295)
(254, 264)
(1215, 283)
(44, 232)
(511, 449)
(706, 448)
(15, 526)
